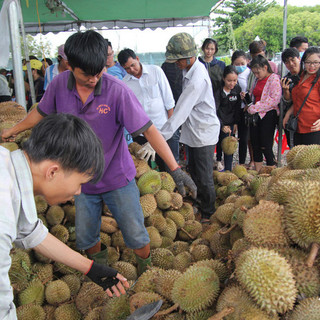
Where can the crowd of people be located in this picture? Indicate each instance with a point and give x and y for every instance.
(191, 100)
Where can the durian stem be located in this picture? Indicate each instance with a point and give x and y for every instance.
(188, 234)
(223, 313)
(167, 311)
(226, 231)
(313, 254)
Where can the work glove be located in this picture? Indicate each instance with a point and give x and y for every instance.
(183, 180)
(147, 152)
(102, 275)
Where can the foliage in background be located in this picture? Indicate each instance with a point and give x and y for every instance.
(269, 26)
(226, 60)
(35, 47)
(232, 15)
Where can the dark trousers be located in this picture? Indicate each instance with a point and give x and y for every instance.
(262, 136)
(5, 98)
(173, 143)
(201, 170)
(227, 159)
(243, 135)
(307, 138)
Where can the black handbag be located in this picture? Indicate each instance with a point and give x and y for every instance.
(292, 123)
(251, 119)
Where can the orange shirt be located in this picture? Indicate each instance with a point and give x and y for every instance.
(310, 111)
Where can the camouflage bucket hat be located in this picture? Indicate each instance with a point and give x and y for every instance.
(180, 46)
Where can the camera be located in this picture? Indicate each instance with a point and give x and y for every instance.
(247, 99)
(293, 80)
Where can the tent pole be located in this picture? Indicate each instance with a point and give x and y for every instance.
(16, 54)
(26, 53)
(284, 44)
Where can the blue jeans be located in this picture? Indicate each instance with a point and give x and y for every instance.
(125, 207)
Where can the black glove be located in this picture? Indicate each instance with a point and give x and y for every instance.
(182, 179)
(102, 275)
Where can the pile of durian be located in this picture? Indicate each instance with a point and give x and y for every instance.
(10, 114)
(255, 260)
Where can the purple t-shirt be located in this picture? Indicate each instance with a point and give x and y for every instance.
(109, 108)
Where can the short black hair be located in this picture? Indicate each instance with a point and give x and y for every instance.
(124, 55)
(48, 60)
(208, 41)
(87, 51)
(229, 69)
(237, 54)
(109, 43)
(296, 42)
(68, 140)
(289, 53)
(259, 62)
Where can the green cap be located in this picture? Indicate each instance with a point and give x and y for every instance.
(180, 46)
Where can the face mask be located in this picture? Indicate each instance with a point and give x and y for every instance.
(240, 69)
(301, 54)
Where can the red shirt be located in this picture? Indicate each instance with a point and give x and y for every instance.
(257, 91)
(310, 111)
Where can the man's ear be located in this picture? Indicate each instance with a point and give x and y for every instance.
(68, 66)
(137, 58)
(51, 171)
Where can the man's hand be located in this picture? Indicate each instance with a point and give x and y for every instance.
(182, 179)
(146, 152)
(7, 136)
(108, 278)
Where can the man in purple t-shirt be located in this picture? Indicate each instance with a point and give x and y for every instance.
(108, 105)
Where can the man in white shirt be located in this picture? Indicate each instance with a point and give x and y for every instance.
(195, 112)
(151, 87)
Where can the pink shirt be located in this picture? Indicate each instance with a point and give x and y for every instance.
(270, 97)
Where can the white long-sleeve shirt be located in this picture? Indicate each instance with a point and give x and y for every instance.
(18, 220)
(153, 92)
(195, 110)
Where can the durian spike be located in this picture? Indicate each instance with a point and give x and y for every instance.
(226, 231)
(188, 234)
(313, 254)
(223, 313)
(167, 311)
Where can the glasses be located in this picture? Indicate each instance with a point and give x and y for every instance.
(314, 63)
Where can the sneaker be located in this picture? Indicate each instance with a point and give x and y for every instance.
(220, 166)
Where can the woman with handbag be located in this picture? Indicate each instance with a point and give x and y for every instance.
(305, 96)
(264, 110)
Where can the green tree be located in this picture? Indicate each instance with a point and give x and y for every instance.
(36, 48)
(233, 14)
(269, 26)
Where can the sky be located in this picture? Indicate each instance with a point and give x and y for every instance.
(152, 40)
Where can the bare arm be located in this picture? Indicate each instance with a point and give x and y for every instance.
(32, 118)
(170, 113)
(161, 147)
(56, 250)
